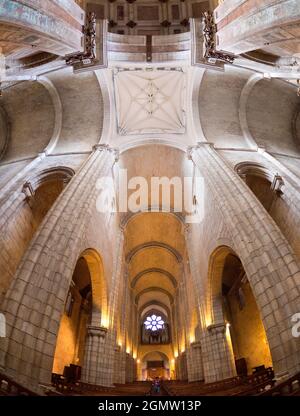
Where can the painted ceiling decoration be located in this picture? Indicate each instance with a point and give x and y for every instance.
(150, 101)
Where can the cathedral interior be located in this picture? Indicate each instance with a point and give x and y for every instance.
(101, 98)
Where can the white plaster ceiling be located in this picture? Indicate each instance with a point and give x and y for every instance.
(150, 101)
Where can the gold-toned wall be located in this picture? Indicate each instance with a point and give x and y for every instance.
(70, 342)
(247, 331)
(71, 336)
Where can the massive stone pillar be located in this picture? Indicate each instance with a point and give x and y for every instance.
(194, 362)
(100, 348)
(119, 365)
(272, 269)
(93, 371)
(194, 352)
(35, 301)
(104, 349)
(217, 353)
(246, 25)
(43, 25)
(212, 353)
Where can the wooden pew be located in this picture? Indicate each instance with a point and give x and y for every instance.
(9, 387)
(289, 387)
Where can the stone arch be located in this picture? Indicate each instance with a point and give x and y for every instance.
(277, 197)
(268, 178)
(62, 173)
(232, 301)
(162, 354)
(162, 272)
(215, 271)
(255, 169)
(32, 204)
(260, 172)
(155, 303)
(150, 244)
(99, 287)
(154, 289)
(88, 284)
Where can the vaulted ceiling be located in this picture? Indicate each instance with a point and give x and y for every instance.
(154, 251)
(150, 101)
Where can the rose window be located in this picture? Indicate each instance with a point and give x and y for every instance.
(154, 323)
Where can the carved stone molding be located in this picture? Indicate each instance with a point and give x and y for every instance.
(98, 331)
(131, 24)
(217, 328)
(256, 169)
(103, 147)
(165, 23)
(28, 190)
(277, 184)
(89, 54)
(4, 132)
(95, 46)
(163, 272)
(209, 32)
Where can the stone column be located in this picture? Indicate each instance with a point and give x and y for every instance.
(217, 353)
(194, 352)
(272, 269)
(93, 370)
(197, 284)
(257, 24)
(213, 343)
(109, 353)
(194, 362)
(119, 365)
(34, 303)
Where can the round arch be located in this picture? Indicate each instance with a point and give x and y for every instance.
(151, 244)
(162, 272)
(85, 305)
(215, 272)
(154, 289)
(254, 169)
(99, 287)
(162, 354)
(231, 301)
(153, 304)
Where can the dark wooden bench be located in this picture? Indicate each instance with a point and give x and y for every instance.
(289, 387)
(9, 387)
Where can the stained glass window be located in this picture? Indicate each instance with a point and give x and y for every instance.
(154, 323)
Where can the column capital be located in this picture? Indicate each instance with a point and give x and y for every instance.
(217, 328)
(102, 147)
(196, 344)
(43, 154)
(99, 331)
(122, 227)
(191, 149)
(187, 230)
